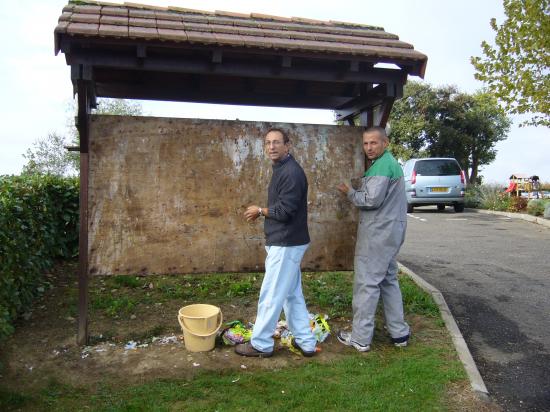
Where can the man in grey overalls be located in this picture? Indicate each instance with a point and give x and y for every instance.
(382, 208)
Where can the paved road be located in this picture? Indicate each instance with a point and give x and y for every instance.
(495, 275)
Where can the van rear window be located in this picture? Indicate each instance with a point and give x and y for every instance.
(437, 168)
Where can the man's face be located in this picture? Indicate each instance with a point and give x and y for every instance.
(374, 144)
(275, 146)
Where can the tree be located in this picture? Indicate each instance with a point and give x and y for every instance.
(49, 154)
(444, 122)
(517, 69)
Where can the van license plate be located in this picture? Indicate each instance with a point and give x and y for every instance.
(439, 189)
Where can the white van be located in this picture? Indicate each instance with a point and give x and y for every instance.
(434, 181)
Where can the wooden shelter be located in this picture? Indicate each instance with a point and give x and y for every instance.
(176, 54)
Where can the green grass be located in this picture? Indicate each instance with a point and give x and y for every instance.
(415, 300)
(114, 306)
(329, 290)
(127, 281)
(385, 379)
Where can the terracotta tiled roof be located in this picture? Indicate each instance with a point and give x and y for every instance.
(227, 29)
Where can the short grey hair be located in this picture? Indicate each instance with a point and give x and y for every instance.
(378, 129)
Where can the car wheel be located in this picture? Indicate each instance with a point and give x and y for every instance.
(410, 208)
(459, 207)
(441, 208)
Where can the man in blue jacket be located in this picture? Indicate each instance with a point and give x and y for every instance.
(287, 239)
(382, 205)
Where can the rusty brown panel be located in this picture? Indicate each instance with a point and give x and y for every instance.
(167, 195)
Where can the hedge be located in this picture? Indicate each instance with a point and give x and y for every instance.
(38, 224)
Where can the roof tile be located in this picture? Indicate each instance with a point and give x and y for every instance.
(200, 37)
(84, 18)
(230, 39)
(143, 33)
(82, 28)
(114, 11)
(116, 20)
(144, 14)
(222, 20)
(221, 28)
(192, 11)
(170, 34)
(113, 30)
(195, 18)
(258, 41)
(224, 28)
(139, 22)
(304, 20)
(65, 16)
(170, 24)
(167, 15)
(87, 9)
(269, 25)
(269, 17)
(231, 14)
(197, 26)
(61, 27)
(131, 5)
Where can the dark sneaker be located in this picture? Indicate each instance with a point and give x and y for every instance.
(303, 352)
(401, 342)
(246, 349)
(345, 338)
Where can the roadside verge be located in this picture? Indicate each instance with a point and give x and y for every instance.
(464, 354)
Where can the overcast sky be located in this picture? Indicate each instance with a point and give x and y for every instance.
(36, 88)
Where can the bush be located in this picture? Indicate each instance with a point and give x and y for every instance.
(472, 197)
(492, 197)
(536, 207)
(38, 223)
(517, 204)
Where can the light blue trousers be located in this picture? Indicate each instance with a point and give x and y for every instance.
(282, 290)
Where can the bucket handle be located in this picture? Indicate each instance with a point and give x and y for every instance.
(182, 324)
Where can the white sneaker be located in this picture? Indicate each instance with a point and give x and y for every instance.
(345, 338)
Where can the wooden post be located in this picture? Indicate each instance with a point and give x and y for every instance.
(83, 129)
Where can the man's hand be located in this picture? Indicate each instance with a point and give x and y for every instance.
(342, 187)
(252, 213)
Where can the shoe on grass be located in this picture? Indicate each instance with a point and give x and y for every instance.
(246, 349)
(401, 342)
(345, 338)
(307, 354)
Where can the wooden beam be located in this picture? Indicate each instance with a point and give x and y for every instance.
(255, 68)
(141, 51)
(382, 112)
(286, 61)
(353, 107)
(249, 95)
(217, 56)
(69, 43)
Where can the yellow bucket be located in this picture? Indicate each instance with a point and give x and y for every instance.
(200, 324)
